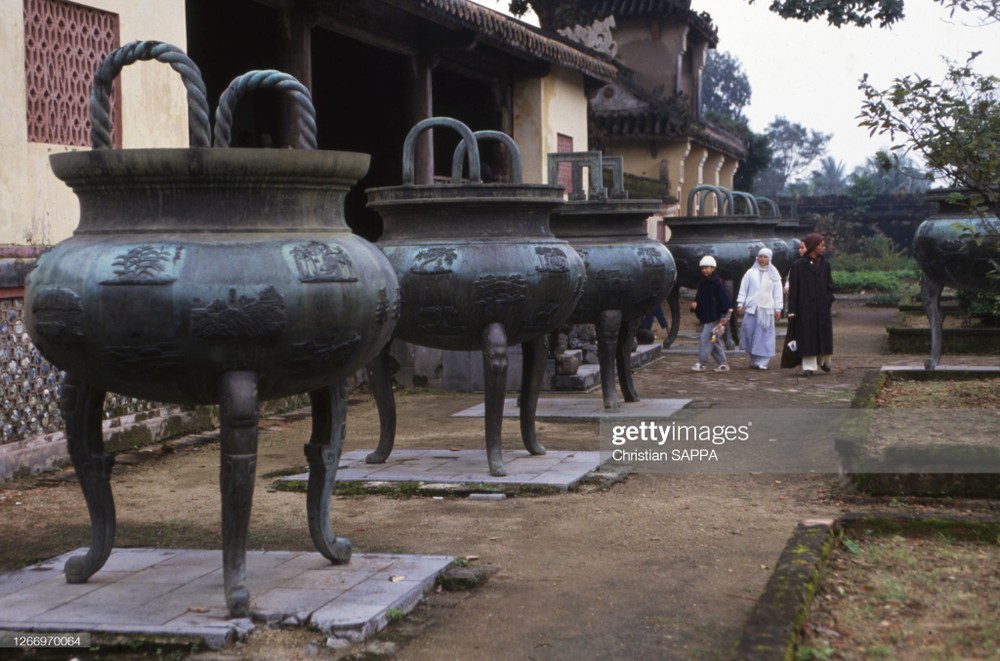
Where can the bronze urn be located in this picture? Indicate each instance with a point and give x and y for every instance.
(210, 276)
(479, 269)
(628, 273)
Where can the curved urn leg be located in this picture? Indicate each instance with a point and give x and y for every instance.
(329, 411)
(533, 372)
(674, 301)
(930, 296)
(623, 359)
(494, 343)
(608, 326)
(381, 384)
(82, 408)
(238, 415)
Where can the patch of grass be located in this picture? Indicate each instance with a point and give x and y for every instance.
(887, 595)
(394, 614)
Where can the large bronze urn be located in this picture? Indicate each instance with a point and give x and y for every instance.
(204, 276)
(957, 249)
(628, 273)
(733, 237)
(479, 269)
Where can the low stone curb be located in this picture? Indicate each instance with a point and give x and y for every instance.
(771, 631)
(953, 469)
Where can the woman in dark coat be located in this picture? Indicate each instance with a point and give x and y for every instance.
(810, 299)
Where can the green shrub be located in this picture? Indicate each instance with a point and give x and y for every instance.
(979, 304)
(844, 281)
(874, 253)
(884, 299)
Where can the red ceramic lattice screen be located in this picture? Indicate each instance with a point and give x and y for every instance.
(63, 45)
(564, 144)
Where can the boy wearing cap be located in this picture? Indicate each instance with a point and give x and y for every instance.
(713, 307)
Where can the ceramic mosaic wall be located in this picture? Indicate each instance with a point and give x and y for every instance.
(30, 385)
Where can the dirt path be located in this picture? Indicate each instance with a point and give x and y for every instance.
(658, 567)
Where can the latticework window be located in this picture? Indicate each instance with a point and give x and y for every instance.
(564, 144)
(64, 43)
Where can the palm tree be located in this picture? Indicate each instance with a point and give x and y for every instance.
(830, 178)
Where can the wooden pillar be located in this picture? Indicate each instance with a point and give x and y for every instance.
(295, 57)
(421, 106)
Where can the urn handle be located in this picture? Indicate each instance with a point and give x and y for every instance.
(723, 195)
(617, 166)
(515, 155)
(751, 203)
(769, 203)
(593, 161)
(305, 112)
(100, 93)
(468, 137)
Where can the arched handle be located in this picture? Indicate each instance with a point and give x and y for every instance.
(705, 189)
(266, 79)
(751, 203)
(468, 137)
(100, 93)
(515, 155)
(769, 203)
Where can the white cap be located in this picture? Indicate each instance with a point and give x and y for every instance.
(707, 260)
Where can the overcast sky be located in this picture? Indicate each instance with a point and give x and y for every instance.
(809, 72)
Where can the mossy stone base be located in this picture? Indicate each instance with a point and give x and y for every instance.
(974, 341)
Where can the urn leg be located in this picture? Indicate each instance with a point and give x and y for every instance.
(674, 301)
(608, 325)
(930, 296)
(329, 412)
(82, 408)
(533, 373)
(623, 359)
(381, 384)
(238, 415)
(494, 342)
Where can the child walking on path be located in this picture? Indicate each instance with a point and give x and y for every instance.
(713, 307)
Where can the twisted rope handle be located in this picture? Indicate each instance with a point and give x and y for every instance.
(410, 148)
(100, 93)
(264, 79)
(515, 154)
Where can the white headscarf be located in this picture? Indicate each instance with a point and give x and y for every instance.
(765, 295)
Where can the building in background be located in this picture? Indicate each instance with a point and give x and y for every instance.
(651, 113)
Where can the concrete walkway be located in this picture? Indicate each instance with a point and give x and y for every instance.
(180, 593)
(559, 469)
(590, 407)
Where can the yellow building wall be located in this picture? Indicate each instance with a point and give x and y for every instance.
(37, 208)
(543, 109)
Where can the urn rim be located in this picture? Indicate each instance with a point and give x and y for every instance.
(79, 169)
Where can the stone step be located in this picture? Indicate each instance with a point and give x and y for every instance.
(588, 376)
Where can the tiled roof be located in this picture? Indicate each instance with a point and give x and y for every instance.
(509, 34)
(647, 124)
(586, 13)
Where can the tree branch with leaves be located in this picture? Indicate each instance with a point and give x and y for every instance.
(954, 124)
